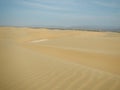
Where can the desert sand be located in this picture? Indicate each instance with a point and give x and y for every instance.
(44, 59)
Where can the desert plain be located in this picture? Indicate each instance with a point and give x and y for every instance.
(46, 59)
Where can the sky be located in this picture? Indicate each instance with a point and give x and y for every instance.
(67, 13)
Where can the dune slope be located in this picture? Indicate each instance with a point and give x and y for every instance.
(59, 62)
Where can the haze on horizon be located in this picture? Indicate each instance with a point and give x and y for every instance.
(95, 13)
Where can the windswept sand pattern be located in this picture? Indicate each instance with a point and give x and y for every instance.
(55, 60)
(54, 77)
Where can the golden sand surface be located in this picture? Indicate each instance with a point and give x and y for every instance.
(44, 59)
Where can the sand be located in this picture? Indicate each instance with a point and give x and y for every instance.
(43, 59)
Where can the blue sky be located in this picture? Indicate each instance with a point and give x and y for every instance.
(101, 13)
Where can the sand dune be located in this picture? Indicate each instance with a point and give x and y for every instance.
(59, 60)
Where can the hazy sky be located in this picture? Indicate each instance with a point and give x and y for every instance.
(60, 12)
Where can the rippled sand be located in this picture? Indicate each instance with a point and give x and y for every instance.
(43, 59)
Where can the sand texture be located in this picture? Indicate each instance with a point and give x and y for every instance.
(43, 59)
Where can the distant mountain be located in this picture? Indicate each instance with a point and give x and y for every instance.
(85, 27)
